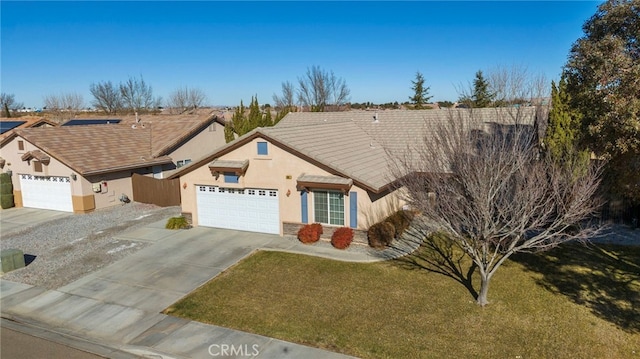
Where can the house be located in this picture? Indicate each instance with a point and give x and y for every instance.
(86, 167)
(330, 168)
(8, 125)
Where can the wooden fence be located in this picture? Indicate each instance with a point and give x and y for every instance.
(161, 192)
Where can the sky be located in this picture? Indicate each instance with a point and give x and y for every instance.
(235, 50)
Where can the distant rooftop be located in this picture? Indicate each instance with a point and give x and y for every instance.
(92, 121)
(9, 125)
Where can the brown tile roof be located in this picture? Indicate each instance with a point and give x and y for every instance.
(95, 149)
(30, 121)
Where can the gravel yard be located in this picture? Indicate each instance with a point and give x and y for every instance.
(69, 248)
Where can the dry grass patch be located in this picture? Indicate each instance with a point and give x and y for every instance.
(384, 310)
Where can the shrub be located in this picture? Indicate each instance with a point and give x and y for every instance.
(342, 237)
(400, 221)
(310, 233)
(6, 201)
(6, 191)
(381, 234)
(177, 223)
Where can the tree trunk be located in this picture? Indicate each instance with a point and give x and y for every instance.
(484, 290)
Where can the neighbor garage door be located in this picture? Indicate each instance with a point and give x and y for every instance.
(46, 192)
(250, 209)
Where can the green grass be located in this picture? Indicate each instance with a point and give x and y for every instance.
(572, 302)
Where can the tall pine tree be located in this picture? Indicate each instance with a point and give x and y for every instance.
(561, 139)
(420, 93)
(482, 96)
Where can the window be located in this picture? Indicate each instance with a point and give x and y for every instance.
(328, 207)
(230, 177)
(37, 166)
(21, 145)
(183, 162)
(262, 148)
(212, 128)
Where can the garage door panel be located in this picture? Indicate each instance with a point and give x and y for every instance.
(254, 210)
(46, 192)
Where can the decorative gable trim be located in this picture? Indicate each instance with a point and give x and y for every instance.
(239, 168)
(37, 155)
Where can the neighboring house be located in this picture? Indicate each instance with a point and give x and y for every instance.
(8, 125)
(87, 167)
(330, 168)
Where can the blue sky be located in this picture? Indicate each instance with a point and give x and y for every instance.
(233, 50)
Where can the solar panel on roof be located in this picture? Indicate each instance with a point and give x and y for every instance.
(9, 125)
(101, 121)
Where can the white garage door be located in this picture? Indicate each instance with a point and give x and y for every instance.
(250, 209)
(46, 192)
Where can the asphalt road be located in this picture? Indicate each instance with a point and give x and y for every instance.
(17, 345)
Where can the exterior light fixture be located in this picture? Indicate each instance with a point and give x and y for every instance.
(74, 176)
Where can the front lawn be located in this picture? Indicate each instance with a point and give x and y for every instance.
(395, 310)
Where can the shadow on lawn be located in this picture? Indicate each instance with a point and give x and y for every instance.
(437, 254)
(604, 278)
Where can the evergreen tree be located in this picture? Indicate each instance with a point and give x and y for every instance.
(420, 93)
(267, 120)
(561, 139)
(482, 96)
(228, 132)
(255, 115)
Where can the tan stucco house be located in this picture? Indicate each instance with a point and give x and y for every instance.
(87, 167)
(330, 168)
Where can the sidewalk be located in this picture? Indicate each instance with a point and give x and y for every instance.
(116, 311)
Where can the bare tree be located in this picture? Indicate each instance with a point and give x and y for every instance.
(138, 96)
(8, 104)
(517, 85)
(185, 99)
(106, 97)
(507, 86)
(488, 194)
(287, 99)
(64, 105)
(319, 89)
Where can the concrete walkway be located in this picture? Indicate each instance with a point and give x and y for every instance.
(119, 306)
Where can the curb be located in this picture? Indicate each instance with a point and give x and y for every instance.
(38, 330)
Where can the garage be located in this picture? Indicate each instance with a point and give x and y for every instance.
(46, 192)
(248, 209)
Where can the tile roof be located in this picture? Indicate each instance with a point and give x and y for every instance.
(358, 144)
(28, 121)
(101, 148)
(95, 149)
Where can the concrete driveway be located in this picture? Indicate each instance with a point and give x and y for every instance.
(179, 262)
(16, 219)
(119, 306)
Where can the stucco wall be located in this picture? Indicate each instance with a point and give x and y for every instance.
(112, 186)
(14, 162)
(200, 145)
(280, 170)
(81, 188)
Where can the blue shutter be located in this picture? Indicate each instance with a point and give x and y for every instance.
(305, 207)
(353, 209)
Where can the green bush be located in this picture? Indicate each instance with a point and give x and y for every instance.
(6, 201)
(177, 223)
(381, 234)
(6, 191)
